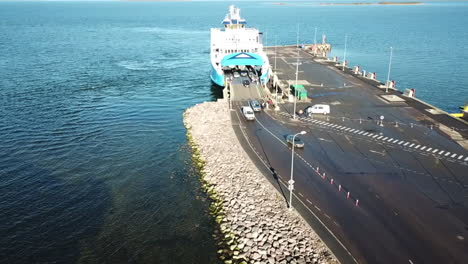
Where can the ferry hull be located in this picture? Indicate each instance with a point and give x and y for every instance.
(216, 77)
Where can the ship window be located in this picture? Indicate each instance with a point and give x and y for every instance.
(217, 50)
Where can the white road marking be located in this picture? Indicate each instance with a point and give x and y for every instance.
(406, 144)
(411, 145)
(453, 155)
(429, 149)
(435, 150)
(374, 151)
(441, 152)
(448, 153)
(401, 142)
(327, 140)
(360, 132)
(461, 156)
(423, 148)
(317, 208)
(417, 146)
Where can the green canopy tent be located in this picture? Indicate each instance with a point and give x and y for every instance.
(299, 91)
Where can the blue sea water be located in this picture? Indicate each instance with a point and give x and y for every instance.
(94, 163)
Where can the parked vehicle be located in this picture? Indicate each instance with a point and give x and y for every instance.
(318, 109)
(243, 73)
(248, 113)
(298, 143)
(255, 105)
(236, 74)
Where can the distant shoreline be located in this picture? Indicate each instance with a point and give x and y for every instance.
(379, 3)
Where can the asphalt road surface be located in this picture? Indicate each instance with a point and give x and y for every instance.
(410, 182)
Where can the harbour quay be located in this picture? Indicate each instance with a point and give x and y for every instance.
(382, 177)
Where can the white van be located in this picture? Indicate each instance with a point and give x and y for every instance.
(318, 109)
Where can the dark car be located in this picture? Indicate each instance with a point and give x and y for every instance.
(246, 83)
(298, 143)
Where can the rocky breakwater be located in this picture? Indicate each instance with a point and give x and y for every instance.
(255, 225)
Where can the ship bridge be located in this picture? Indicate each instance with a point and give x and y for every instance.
(242, 59)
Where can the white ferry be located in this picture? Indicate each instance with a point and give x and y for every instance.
(237, 48)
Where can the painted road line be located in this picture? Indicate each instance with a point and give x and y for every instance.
(401, 142)
(417, 146)
(411, 145)
(404, 145)
(423, 148)
(453, 155)
(435, 150)
(360, 132)
(308, 201)
(429, 149)
(446, 154)
(461, 156)
(317, 208)
(380, 137)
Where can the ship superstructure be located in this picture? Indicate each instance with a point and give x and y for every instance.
(237, 47)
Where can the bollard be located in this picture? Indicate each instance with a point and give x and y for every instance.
(396, 124)
(360, 121)
(339, 188)
(321, 84)
(344, 84)
(357, 202)
(411, 125)
(323, 176)
(318, 171)
(343, 119)
(431, 127)
(381, 123)
(331, 181)
(347, 195)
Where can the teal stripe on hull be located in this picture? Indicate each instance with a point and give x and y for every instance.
(216, 78)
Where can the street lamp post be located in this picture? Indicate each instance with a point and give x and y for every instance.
(344, 55)
(295, 88)
(291, 181)
(276, 85)
(389, 65)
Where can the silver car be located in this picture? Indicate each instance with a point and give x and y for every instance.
(255, 105)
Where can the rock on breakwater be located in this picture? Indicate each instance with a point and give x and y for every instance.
(255, 225)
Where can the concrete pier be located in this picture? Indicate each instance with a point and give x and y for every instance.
(381, 179)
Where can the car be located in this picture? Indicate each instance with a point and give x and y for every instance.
(255, 105)
(246, 83)
(298, 143)
(317, 109)
(243, 73)
(248, 113)
(236, 74)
